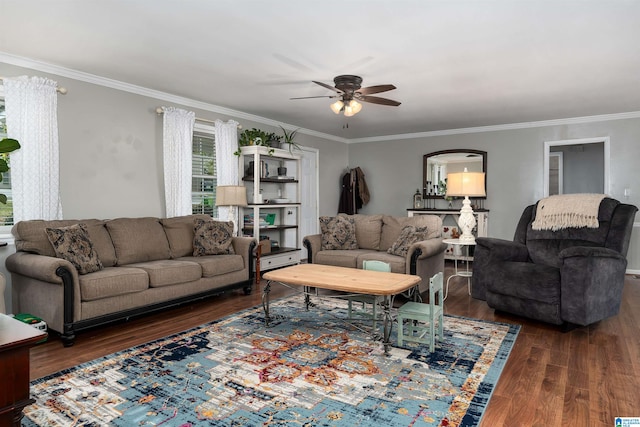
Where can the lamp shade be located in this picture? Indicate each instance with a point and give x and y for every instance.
(231, 195)
(465, 183)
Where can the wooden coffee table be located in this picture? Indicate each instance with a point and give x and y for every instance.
(350, 280)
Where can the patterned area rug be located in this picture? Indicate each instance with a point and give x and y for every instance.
(307, 369)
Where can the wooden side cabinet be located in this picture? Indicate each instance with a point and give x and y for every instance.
(16, 338)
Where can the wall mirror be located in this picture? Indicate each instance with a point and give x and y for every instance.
(438, 164)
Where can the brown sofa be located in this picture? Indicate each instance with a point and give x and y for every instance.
(375, 234)
(148, 265)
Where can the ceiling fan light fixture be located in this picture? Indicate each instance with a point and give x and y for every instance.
(348, 111)
(336, 107)
(355, 106)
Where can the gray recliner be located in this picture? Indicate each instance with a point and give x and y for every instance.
(572, 276)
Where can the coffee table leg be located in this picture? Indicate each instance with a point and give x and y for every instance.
(307, 298)
(265, 302)
(388, 323)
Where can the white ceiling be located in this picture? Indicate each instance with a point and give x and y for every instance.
(456, 64)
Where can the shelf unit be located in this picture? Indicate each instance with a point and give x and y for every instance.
(264, 186)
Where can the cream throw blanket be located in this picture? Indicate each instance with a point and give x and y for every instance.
(568, 211)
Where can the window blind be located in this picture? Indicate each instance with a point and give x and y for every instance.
(204, 173)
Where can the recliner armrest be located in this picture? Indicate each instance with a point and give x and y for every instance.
(503, 250)
(590, 251)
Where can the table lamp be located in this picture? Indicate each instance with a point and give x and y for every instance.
(232, 196)
(466, 184)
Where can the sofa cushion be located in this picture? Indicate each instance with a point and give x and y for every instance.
(340, 257)
(169, 272)
(212, 237)
(215, 265)
(73, 244)
(179, 231)
(392, 225)
(398, 264)
(102, 243)
(338, 232)
(31, 236)
(368, 230)
(112, 281)
(138, 240)
(408, 236)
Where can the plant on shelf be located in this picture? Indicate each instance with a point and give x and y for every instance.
(273, 140)
(288, 137)
(7, 145)
(253, 137)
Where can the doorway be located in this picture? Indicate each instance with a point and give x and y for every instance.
(309, 183)
(585, 166)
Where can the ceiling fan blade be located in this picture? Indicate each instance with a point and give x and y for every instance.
(378, 100)
(327, 86)
(322, 96)
(375, 89)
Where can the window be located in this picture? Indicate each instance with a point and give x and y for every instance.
(204, 171)
(6, 210)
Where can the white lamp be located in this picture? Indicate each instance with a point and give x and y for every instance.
(232, 196)
(466, 184)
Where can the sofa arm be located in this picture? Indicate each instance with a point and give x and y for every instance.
(38, 267)
(313, 243)
(591, 284)
(428, 248)
(47, 280)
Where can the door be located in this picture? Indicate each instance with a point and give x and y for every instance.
(308, 196)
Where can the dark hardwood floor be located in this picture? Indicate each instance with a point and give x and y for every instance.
(585, 377)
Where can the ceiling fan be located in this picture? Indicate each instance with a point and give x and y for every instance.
(349, 92)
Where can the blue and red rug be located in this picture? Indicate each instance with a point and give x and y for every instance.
(306, 369)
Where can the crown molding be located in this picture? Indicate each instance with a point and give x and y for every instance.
(151, 93)
(164, 96)
(495, 128)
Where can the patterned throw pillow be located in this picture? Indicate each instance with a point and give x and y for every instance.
(338, 232)
(408, 236)
(73, 244)
(212, 237)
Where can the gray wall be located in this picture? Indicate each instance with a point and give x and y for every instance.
(514, 167)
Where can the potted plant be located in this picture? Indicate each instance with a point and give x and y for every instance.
(288, 137)
(274, 140)
(7, 145)
(253, 137)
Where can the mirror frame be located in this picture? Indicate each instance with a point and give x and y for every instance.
(452, 151)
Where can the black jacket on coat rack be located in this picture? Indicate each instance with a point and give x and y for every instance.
(354, 193)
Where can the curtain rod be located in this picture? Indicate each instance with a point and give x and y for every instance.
(159, 111)
(60, 90)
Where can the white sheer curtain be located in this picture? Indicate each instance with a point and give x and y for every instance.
(177, 142)
(226, 162)
(31, 105)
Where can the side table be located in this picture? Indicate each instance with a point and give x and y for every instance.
(16, 338)
(457, 272)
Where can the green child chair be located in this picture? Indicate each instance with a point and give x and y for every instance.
(417, 314)
(372, 265)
